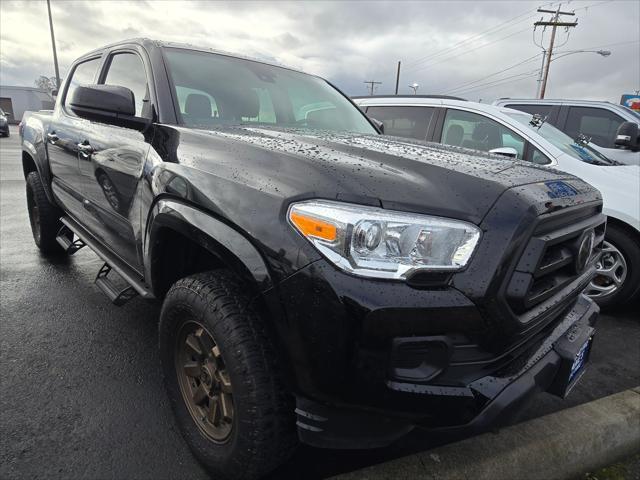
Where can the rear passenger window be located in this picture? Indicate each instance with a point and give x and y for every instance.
(599, 124)
(84, 73)
(410, 122)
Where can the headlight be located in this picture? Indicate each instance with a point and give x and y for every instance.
(373, 242)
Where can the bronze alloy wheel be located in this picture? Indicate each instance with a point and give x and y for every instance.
(204, 381)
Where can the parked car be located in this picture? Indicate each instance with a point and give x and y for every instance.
(510, 132)
(4, 124)
(597, 121)
(320, 283)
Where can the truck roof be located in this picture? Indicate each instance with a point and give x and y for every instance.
(150, 43)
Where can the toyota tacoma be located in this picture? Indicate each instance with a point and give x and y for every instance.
(320, 283)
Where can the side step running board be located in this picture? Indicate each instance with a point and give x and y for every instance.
(117, 295)
(133, 279)
(65, 239)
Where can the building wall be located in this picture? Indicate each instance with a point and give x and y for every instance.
(22, 99)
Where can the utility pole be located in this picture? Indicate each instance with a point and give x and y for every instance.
(53, 43)
(372, 84)
(398, 77)
(553, 23)
(544, 57)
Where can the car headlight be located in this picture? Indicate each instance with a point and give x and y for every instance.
(373, 242)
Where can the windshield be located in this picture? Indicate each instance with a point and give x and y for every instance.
(213, 89)
(564, 142)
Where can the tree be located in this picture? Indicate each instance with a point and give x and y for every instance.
(46, 83)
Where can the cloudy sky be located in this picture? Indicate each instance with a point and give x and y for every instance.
(475, 49)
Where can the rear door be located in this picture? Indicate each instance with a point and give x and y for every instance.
(62, 140)
(112, 162)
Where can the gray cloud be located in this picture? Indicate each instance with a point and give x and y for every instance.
(349, 42)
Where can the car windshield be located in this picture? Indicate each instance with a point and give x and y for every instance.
(213, 89)
(564, 142)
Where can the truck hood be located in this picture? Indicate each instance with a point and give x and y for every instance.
(394, 173)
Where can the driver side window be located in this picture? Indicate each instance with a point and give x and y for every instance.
(470, 130)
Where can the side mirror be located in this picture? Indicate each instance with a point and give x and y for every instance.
(54, 92)
(627, 136)
(505, 151)
(378, 124)
(110, 104)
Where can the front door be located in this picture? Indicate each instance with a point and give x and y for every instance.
(62, 138)
(111, 164)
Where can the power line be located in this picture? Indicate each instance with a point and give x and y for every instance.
(432, 59)
(475, 37)
(514, 78)
(530, 59)
(466, 52)
(497, 82)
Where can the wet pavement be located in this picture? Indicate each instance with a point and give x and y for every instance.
(81, 392)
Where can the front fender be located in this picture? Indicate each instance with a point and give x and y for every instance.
(226, 243)
(33, 144)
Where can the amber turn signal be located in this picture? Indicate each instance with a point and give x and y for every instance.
(312, 227)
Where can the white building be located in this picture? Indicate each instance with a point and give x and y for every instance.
(16, 100)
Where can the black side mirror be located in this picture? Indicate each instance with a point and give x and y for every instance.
(627, 136)
(110, 104)
(378, 124)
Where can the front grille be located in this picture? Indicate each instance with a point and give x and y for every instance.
(553, 259)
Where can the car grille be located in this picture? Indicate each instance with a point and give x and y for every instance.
(560, 252)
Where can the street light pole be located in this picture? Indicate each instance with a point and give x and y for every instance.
(53, 43)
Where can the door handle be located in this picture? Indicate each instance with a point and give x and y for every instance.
(85, 149)
(52, 137)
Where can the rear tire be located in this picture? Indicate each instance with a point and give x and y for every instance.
(43, 216)
(232, 347)
(621, 265)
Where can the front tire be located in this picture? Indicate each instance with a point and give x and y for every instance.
(223, 379)
(617, 281)
(43, 216)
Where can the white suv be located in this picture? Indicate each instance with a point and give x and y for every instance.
(598, 121)
(514, 133)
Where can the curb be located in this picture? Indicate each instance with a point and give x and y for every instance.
(564, 444)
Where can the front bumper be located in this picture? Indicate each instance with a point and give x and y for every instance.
(487, 402)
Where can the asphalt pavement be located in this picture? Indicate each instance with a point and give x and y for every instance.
(81, 393)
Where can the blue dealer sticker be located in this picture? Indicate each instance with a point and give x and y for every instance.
(560, 189)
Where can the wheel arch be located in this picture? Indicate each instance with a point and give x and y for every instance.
(31, 162)
(178, 229)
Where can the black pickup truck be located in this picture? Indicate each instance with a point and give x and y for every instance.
(320, 283)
